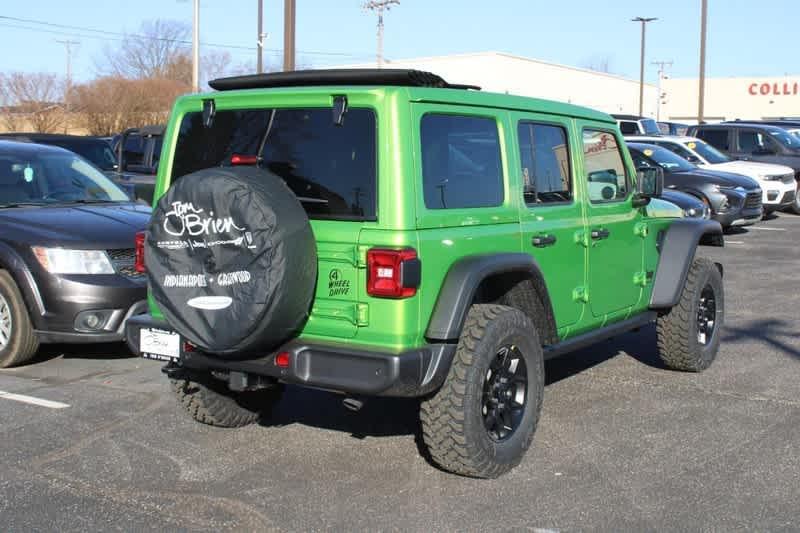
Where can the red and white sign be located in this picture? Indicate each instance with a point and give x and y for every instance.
(786, 88)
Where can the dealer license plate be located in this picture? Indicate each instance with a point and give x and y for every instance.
(159, 344)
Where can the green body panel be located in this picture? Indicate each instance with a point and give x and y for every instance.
(590, 284)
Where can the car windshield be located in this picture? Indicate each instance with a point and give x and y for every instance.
(650, 126)
(655, 155)
(40, 178)
(708, 152)
(99, 153)
(786, 139)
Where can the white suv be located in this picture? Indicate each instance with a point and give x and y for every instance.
(777, 181)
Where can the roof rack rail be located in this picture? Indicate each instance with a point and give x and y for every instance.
(349, 76)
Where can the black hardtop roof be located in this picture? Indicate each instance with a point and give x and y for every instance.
(322, 77)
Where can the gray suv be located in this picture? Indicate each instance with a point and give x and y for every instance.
(751, 141)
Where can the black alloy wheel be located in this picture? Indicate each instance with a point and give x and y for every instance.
(505, 391)
(706, 315)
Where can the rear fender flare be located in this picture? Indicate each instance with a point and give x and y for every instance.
(461, 285)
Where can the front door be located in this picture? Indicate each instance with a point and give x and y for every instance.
(552, 216)
(615, 249)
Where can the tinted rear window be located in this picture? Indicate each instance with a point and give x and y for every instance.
(331, 169)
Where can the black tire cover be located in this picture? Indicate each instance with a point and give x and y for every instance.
(231, 260)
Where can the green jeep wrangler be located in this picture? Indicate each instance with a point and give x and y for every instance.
(385, 233)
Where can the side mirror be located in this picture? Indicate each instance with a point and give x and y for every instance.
(649, 184)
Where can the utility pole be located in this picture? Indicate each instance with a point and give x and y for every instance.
(661, 70)
(261, 37)
(68, 81)
(379, 6)
(289, 24)
(644, 22)
(196, 47)
(701, 99)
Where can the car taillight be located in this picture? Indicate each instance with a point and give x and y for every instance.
(392, 273)
(139, 263)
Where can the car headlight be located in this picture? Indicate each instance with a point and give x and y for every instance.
(63, 261)
(692, 212)
(771, 178)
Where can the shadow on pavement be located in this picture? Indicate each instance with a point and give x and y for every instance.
(114, 350)
(767, 330)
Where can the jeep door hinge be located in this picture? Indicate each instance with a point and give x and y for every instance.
(641, 229)
(580, 294)
(643, 279)
(582, 238)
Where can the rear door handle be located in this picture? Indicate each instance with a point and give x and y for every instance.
(599, 234)
(542, 241)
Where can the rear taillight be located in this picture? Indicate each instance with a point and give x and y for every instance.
(392, 273)
(139, 264)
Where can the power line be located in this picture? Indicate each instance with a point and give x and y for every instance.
(120, 36)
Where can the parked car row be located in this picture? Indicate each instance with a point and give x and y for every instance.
(129, 158)
(740, 170)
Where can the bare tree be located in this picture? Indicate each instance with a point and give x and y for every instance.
(152, 52)
(31, 101)
(111, 104)
(599, 63)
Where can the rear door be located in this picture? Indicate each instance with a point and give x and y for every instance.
(552, 216)
(615, 250)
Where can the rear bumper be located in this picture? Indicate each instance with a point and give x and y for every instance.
(333, 366)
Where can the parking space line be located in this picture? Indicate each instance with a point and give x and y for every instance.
(767, 229)
(733, 242)
(32, 400)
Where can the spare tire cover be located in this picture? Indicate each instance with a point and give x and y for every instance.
(231, 260)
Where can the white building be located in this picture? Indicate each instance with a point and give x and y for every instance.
(732, 98)
(507, 73)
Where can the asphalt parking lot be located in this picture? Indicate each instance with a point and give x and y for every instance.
(622, 444)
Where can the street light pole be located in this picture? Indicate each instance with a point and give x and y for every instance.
(196, 47)
(259, 59)
(380, 6)
(661, 74)
(701, 99)
(288, 34)
(644, 22)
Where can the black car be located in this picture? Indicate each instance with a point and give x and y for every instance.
(753, 141)
(96, 150)
(691, 205)
(67, 252)
(734, 200)
(138, 151)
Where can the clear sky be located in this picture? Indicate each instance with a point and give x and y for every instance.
(745, 38)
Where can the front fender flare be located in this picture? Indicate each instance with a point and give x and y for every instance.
(677, 253)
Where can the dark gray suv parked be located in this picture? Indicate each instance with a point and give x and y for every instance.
(751, 141)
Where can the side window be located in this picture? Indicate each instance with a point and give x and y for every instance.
(605, 169)
(716, 138)
(626, 127)
(461, 165)
(544, 155)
